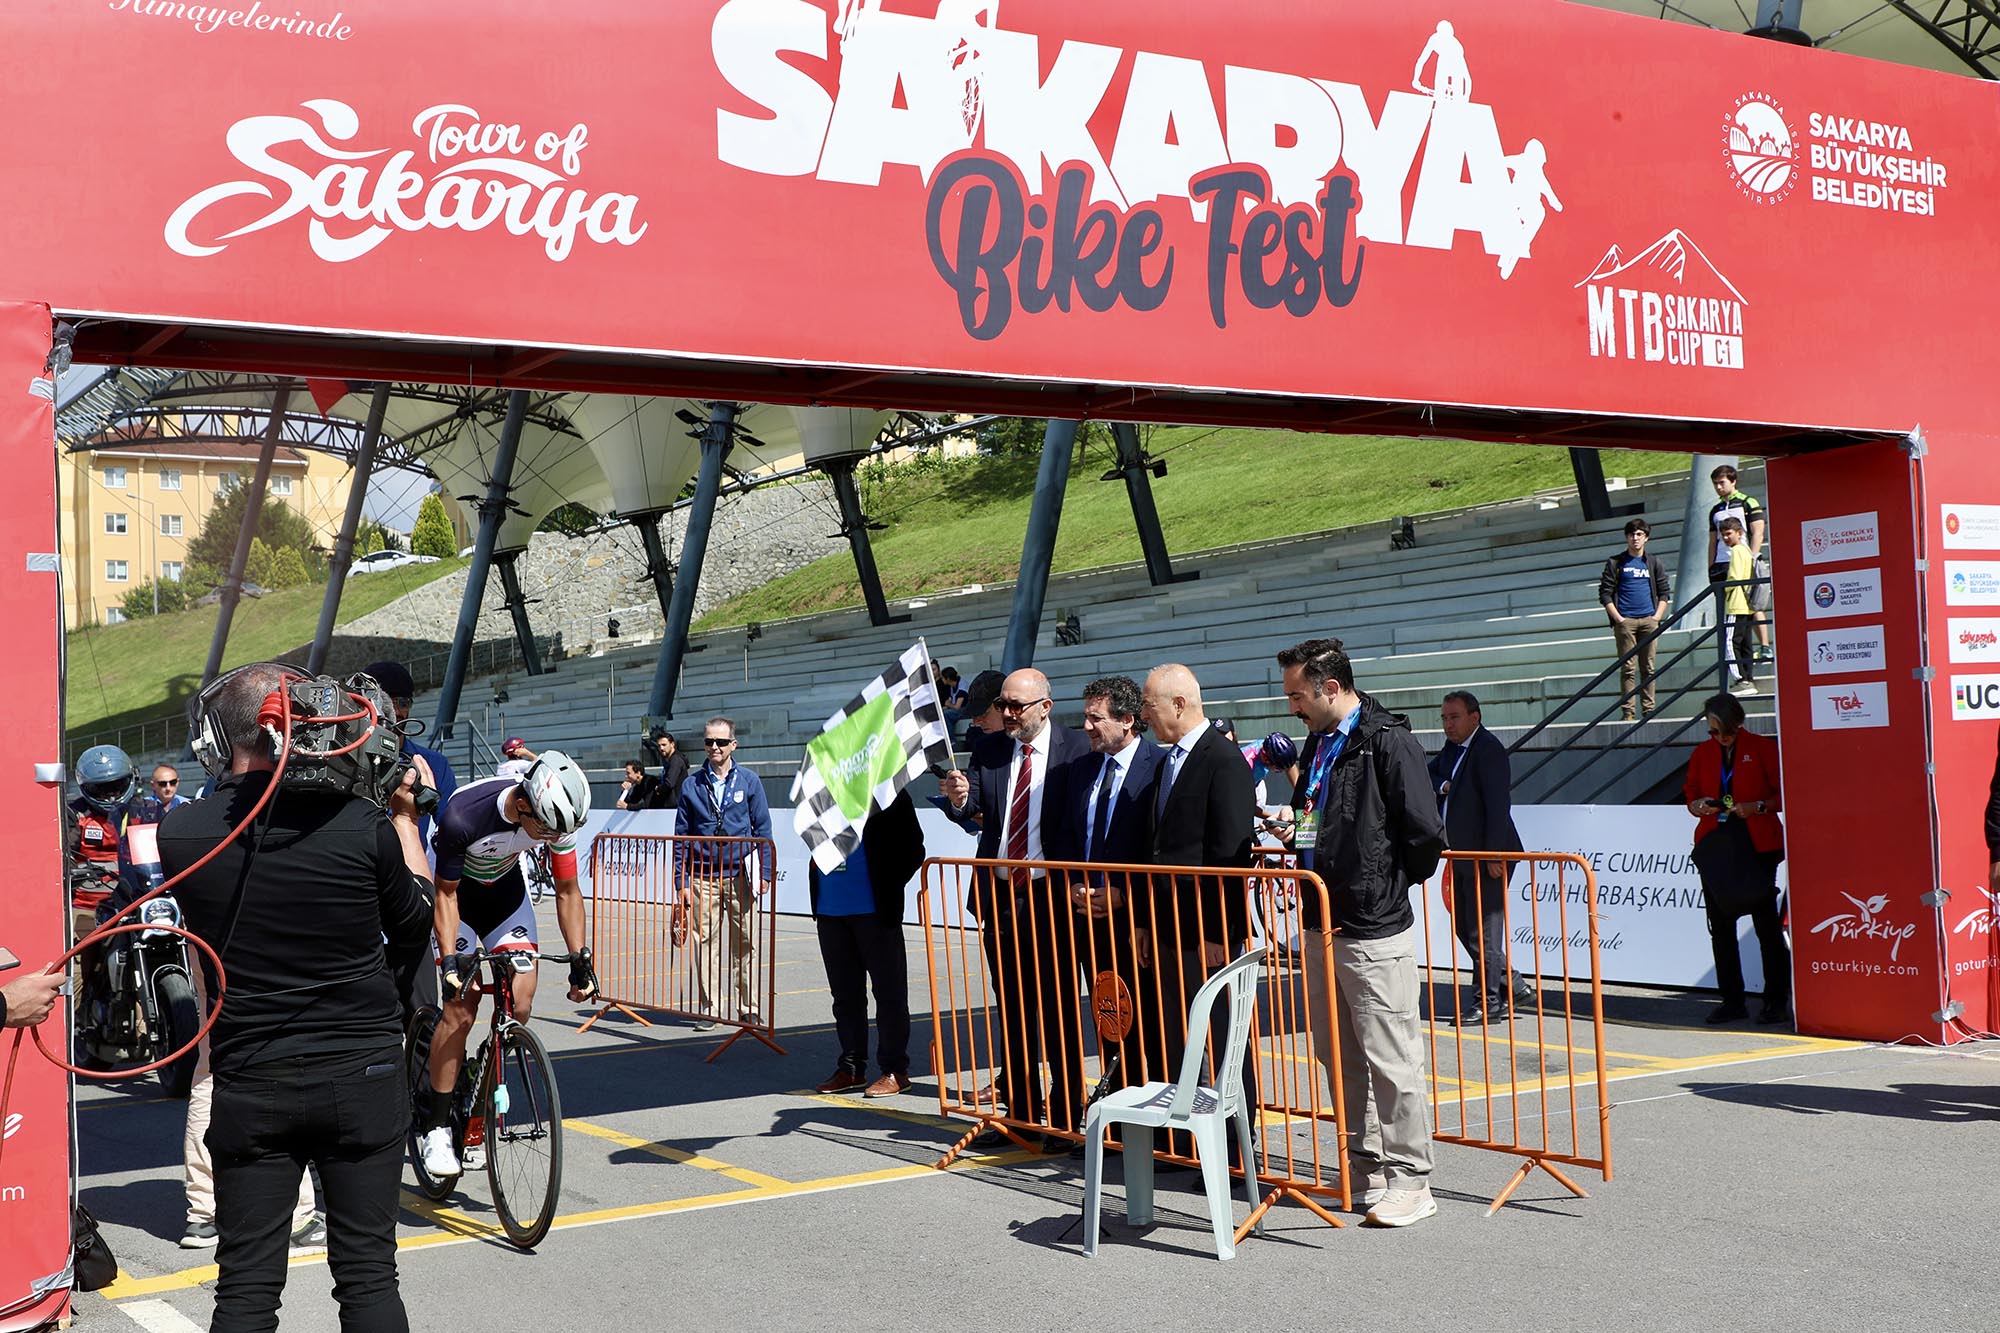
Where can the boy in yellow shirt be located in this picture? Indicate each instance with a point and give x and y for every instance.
(1736, 605)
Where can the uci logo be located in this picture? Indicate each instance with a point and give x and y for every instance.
(1823, 595)
(1976, 698)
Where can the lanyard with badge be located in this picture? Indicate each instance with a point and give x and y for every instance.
(1305, 835)
(1728, 802)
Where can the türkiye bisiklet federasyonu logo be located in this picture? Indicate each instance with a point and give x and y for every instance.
(1285, 202)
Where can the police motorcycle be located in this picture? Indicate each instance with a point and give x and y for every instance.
(137, 1002)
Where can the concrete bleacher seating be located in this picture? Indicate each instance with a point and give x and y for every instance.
(1499, 599)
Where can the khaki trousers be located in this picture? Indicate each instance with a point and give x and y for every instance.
(1628, 632)
(723, 913)
(1387, 1102)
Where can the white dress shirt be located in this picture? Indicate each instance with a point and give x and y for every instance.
(1038, 783)
(1113, 770)
(1177, 757)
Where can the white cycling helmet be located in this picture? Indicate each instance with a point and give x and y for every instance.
(556, 792)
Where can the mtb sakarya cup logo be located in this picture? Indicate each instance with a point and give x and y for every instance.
(1276, 213)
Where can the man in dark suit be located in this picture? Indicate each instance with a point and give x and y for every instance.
(1475, 799)
(1110, 818)
(1014, 793)
(1202, 809)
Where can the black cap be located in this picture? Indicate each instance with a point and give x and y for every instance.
(1222, 724)
(979, 696)
(394, 678)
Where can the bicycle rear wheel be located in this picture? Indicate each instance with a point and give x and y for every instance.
(523, 1136)
(417, 1064)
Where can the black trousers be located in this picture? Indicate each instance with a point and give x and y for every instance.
(1030, 949)
(859, 951)
(1770, 928)
(1121, 999)
(344, 1114)
(1479, 919)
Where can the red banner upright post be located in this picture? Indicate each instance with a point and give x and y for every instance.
(35, 1140)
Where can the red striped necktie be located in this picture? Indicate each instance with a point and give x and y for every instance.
(1017, 816)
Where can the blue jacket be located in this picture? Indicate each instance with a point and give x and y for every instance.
(744, 813)
(442, 778)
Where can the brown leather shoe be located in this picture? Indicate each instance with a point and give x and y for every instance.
(888, 1086)
(840, 1080)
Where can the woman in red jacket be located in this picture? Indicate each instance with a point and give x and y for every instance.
(1732, 788)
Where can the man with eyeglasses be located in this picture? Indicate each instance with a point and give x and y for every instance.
(167, 787)
(1013, 795)
(718, 883)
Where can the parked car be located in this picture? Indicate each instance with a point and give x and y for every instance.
(380, 560)
(214, 595)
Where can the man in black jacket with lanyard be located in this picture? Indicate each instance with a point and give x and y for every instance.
(1013, 795)
(1367, 825)
(1475, 799)
(859, 912)
(308, 1047)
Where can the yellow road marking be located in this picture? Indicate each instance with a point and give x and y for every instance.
(673, 1154)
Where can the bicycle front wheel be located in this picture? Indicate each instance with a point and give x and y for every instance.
(523, 1136)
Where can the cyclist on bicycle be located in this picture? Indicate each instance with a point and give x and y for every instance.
(482, 902)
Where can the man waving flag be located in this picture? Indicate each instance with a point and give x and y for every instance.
(867, 753)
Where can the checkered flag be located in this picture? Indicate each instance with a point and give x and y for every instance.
(867, 752)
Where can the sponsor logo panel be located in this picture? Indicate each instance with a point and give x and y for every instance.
(1970, 527)
(1666, 304)
(1852, 592)
(1832, 652)
(1864, 703)
(1975, 698)
(1972, 583)
(1842, 537)
(1844, 158)
(1973, 639)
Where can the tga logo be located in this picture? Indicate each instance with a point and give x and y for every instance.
(1823, 594)
(1848, 703)
(1761, 148)
(1867, 921)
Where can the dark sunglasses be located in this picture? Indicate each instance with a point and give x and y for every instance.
(718, 743)
(1019, 705)
(163, 782)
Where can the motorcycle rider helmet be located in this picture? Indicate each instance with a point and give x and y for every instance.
(556, 792)
(1280, 751)
(104, 775)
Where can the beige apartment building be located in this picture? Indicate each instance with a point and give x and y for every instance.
(128, 511)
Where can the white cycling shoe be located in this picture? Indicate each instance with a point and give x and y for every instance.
(438, 1158)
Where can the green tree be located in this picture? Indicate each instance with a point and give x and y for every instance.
(278, 525)
(369, 540)
(257, 569)
(288, 569)
(432, 534)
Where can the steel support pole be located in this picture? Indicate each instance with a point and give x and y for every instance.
(1038, 547)
(657, 568)
(492, 510)
(1587, 466)
(253, 508)
(350, 523)
(1134, 467)
(854, 527)
(715, 442)
(507, 562)
(1697, 543)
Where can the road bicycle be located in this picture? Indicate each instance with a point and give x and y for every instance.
(505, 1102)
(541, 879)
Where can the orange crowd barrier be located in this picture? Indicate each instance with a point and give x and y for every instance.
(1053, 983)
(678, 926)
(1512, 1087)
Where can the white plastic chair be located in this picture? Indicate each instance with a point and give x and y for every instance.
(1189, 1105)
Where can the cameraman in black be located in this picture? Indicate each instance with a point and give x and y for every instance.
(307, 1050)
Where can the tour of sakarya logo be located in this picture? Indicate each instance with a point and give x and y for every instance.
(1761, 148)
(464, 174)
(1866, 922)
(1668, 303)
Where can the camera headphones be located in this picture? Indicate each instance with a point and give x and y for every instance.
(344, 737)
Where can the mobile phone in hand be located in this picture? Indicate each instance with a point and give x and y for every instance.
(8, 960)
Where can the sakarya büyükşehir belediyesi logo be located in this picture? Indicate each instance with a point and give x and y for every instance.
(1761, 148)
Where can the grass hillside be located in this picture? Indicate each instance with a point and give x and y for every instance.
(951, 522)
(119, 674)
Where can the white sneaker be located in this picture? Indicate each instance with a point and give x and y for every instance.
(1402, 1205)
(474, 1157)
(1744, 688)
(435, 1149)
(1373, 1187)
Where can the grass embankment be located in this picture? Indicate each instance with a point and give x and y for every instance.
(961, 521)
(143, 669)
